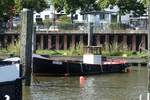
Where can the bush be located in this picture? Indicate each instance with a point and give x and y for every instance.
(14, 48)
(78, 51)
(115, 49)
(47, 23)
(64, 19)
(121, 26)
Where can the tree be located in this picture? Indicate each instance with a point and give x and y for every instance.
(131, 6)
(71, 6)
(88, 5)
(6, 9)
(145, 2)
(125, 6)
(10, 8)
(34, 5)
(105, 3)
(58, 4)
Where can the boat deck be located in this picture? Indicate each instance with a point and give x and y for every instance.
(129, 60)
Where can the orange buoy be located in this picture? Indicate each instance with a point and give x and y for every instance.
(82, 78)
(82, 81)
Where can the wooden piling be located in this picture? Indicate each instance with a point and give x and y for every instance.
(57, 42)
(5, 41)
(34, 40)
(107, 39)
(81, 39)
(134, 42)
(49, 42)
(42, 42)
(26, 44)
(73, 43)
(143, 42)
(124, 41)
(90, 34)
(98, 40)
(65, 41)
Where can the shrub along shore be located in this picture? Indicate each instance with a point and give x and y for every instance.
(113, 49)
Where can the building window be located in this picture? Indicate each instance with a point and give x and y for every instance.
(38, 16)
(84, 17)
(46, 16)
(114, 18)
(76, 16)
(102, 16)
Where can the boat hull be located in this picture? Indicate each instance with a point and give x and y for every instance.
(10, 81)
(54, 67)
(11, 89)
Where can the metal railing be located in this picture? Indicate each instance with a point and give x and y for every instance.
(147, 97)
(75, 27)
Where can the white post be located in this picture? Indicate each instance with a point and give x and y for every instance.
(140, 97)
(148, 96)
(90, 34)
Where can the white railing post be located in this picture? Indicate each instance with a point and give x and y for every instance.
(148, 96)
(140, 97)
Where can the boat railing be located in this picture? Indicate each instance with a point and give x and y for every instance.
(147, 96)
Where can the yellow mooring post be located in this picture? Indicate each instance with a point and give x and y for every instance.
(26, 44)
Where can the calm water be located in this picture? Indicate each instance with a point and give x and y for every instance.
(122, 86)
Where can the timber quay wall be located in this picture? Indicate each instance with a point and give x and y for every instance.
(134, 39)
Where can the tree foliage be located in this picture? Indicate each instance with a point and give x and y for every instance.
(105, 3)
(35, 5)
(18, 6)
(58, 4)
(6, 9)
(145, 2)
(131, 6)
(10, 8)
(71, 6)
(125, 6)
(88, 5)
(64, 19)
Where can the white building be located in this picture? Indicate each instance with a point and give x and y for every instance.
(46, 14)
(49, 13)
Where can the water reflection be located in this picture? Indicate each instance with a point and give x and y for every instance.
(122, 86)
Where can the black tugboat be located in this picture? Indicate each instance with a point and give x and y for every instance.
(91, 64)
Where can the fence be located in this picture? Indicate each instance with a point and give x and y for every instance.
(147, 96)
(73, 27)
